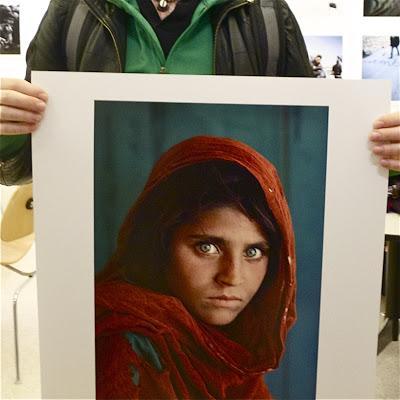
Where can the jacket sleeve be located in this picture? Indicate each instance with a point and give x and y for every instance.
(16, 169)
(46, 52)
(295, 62)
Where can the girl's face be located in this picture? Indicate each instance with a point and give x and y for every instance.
(218, 263)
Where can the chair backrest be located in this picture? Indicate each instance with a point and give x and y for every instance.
(16, 228)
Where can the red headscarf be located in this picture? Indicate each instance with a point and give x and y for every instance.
(199, 360)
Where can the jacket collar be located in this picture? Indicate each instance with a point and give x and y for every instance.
(114, 19)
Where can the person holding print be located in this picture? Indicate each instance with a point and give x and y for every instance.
(198, 297)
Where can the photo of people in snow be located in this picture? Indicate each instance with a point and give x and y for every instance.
(325, 54)
(381, 60)
(9, 29)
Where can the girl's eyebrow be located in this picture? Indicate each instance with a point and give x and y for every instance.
(262, 245)
(221, 241)
(215, 239)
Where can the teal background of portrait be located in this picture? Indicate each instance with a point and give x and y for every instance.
(131, 136)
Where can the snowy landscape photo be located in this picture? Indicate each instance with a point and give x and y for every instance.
(381, 60)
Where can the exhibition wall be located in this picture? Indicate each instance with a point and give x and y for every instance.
(366, 50)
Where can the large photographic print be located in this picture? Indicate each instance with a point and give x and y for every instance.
(130, 139)
(196, 203)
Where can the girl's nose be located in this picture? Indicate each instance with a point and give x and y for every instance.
(230, 271)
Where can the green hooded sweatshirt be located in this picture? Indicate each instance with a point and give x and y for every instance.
(191, 53)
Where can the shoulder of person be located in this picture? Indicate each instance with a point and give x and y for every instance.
(63, 6)
(283, 6)
(284, 14)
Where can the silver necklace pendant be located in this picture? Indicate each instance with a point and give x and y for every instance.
(163, 5)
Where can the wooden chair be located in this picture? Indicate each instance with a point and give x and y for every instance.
(17, 237)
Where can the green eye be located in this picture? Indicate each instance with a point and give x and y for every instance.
(254, 252)
(207, 248)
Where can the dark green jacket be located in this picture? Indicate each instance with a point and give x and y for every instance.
(238, 49)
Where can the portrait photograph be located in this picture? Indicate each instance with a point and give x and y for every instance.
(381, 60)
(218, 146)
(9, 29)
(206, 235)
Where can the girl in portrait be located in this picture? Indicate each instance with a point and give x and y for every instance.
(198, 297)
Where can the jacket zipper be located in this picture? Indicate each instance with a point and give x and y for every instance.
(105, 25)
(240, 3)
(226, 11)
(179, 39)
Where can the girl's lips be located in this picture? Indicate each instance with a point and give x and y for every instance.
(225, 298)
(225, 302)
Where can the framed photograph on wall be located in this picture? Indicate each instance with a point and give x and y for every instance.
(381, 60)
(9, 28)
(116, 151)
(326, 55)
(382, 8)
